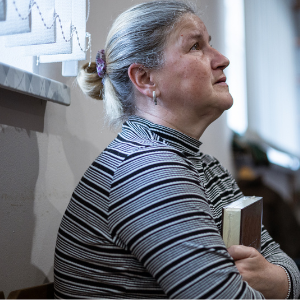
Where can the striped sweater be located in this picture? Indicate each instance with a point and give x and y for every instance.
(145, 221)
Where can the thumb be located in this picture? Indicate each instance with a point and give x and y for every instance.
(238, 252)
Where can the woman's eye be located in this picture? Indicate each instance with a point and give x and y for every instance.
(195, 47)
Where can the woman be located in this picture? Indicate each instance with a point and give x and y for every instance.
(145, 219)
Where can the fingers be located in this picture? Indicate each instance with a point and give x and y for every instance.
(238, 252)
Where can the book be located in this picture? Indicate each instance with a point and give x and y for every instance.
(242, 221)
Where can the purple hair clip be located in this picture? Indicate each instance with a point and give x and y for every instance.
(101, 64)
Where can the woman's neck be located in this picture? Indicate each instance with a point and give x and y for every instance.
(190, 127)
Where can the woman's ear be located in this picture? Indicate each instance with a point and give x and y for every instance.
(140, 77)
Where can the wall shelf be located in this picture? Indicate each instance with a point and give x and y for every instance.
(34, 85)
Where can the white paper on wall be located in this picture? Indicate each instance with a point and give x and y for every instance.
(79, 21)
(13, 23)
(39, 34)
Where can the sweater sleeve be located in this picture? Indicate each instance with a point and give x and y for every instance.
(159, 212)
(272, 252)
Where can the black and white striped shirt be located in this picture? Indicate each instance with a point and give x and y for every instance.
(145, 221)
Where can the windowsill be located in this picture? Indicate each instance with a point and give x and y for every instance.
(34, 85)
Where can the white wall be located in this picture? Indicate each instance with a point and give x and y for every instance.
(45, 149)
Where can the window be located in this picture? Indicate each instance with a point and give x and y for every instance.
(236, 73)
(261, 42)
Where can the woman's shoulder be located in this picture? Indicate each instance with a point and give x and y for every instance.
(141, 154)
(209, 161)
(212, 165)
(127, 149)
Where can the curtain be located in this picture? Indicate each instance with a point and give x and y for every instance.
(79, 30)
(273, 108)
(2, 10)
(53, 30)
(39, 33)
(14, 23)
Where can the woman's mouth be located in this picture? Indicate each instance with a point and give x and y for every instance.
(222, 81)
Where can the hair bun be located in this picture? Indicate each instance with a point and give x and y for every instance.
(89, 81)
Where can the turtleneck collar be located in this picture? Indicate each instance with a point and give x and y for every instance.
(146, 129)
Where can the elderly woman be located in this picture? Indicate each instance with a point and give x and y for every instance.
(145, 219)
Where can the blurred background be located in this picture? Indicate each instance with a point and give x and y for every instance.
(45, 147)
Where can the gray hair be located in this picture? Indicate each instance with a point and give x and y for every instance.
(138, 35)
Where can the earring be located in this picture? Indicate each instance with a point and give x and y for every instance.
(154, 98)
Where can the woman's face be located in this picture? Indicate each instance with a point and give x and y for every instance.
(191, 81)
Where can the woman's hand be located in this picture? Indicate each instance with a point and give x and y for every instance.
(263, 276)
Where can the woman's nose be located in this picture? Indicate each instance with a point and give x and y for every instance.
(219, 61)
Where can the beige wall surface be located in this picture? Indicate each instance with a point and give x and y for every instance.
(46, 147)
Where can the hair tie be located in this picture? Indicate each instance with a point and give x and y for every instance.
(101, 64)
